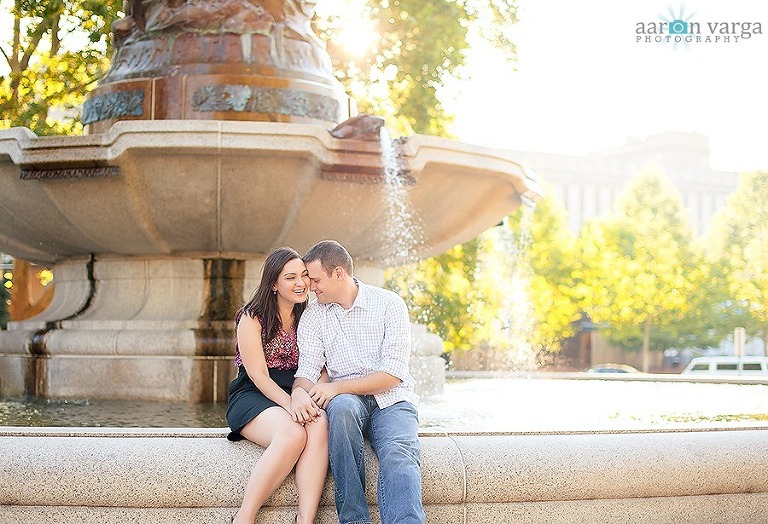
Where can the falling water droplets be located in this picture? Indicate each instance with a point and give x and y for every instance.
(509, 266)
(402, 232)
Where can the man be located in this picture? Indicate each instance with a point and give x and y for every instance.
(361, 334)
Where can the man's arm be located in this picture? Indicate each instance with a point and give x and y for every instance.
(377, 382)
(396, 348)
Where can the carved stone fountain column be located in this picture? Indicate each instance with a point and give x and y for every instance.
(217, 60)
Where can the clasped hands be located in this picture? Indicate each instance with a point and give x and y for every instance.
(306, 405)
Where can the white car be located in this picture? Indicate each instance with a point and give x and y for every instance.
(727, 366)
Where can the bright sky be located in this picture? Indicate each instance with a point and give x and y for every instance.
(583, 83)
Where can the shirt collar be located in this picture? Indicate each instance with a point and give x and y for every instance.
(361, 300)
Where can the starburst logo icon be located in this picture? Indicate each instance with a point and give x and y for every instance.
(677, 22)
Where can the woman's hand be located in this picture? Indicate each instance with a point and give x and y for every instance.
(303, 408)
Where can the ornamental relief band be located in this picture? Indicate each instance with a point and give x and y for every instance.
(113, 105)
(243, 98)
(69, 173)
(162, 53)
(220, 98)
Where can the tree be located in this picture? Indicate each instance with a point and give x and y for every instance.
(440, 292)
(739, 241)
(706, 322)
(512, 285)
(708, 319)
(53, 55)
(418, 45)
(638, 270)
(551, 259)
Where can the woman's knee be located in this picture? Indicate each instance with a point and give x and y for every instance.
(288, 436)
(317, 431)
(295, 435)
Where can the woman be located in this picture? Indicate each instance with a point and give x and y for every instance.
(260, 407)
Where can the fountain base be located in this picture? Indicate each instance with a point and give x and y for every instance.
(150, 328)
(130, 328)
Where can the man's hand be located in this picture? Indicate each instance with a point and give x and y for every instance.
(303, 408)
(322, 393)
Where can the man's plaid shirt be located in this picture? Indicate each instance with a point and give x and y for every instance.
(373, 335)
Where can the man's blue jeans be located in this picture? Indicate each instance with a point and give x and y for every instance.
(393, 432)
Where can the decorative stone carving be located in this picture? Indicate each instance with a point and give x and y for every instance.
(114, 104)
(241, 98)
(62, 174)
(360, 127)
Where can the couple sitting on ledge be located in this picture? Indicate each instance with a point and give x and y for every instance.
(315, 379)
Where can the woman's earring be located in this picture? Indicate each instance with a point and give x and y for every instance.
(274, 292)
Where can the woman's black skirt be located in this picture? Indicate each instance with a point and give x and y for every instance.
(246, 402)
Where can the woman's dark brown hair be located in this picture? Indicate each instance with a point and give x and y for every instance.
(263, 302)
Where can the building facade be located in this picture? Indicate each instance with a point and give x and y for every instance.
(589, 185)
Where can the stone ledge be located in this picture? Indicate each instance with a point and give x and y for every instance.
(83, 475)
(713, 509)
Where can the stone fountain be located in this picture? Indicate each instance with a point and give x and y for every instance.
(218, 133)
(209, 143)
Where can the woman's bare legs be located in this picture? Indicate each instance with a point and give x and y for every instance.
(283, 440)
(312, 468)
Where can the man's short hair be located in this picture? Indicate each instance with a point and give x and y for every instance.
(331, 255)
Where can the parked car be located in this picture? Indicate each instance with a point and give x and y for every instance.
(727, 366)
(611, 368)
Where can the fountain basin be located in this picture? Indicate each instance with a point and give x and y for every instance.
(85, 476)
(220, 189)
(157, 231)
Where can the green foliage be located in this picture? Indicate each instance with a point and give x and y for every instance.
(53, 55)
(519, 278)
(708, 320)
(705, 323)
(739, 243)
(638, 270)
(418, 45)
(551, 258)
(440, 292)
(5, 297)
